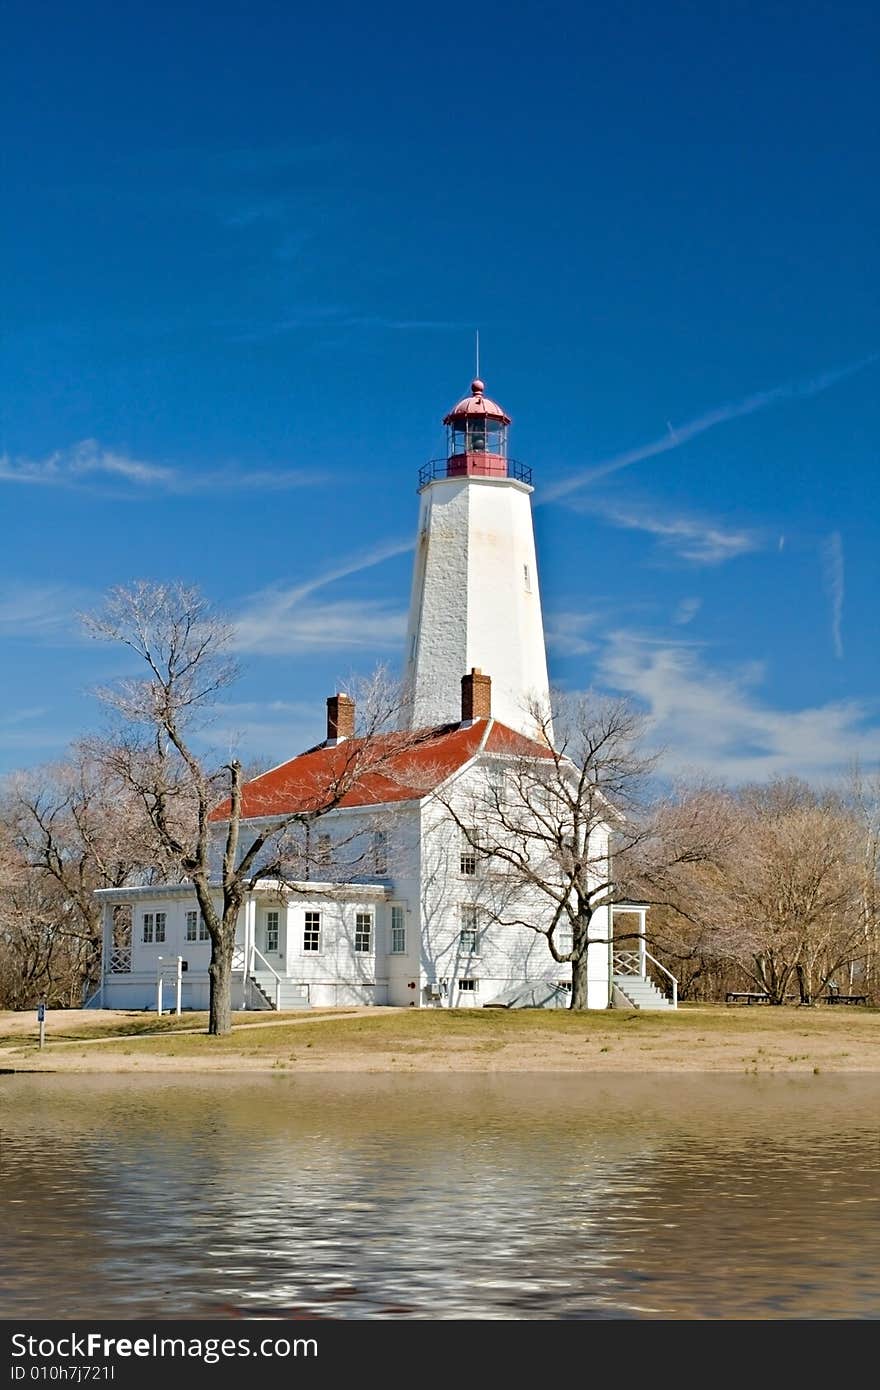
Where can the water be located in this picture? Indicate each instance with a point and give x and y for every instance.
(444, 1197)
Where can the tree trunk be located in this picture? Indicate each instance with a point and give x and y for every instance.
(803, 985)
(579, 982)
(220, 976)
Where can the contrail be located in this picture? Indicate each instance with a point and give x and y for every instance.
(381, 552)
(680, 434)
(832, 558)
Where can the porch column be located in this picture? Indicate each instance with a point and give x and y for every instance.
(250, 933)
(106, 944)
(643, 962)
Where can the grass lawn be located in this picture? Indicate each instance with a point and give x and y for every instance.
(696, 1038)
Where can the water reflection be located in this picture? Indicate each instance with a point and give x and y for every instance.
(483, 1197)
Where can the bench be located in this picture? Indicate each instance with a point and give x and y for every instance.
(845, 999)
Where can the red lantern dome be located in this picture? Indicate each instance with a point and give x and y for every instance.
(477, 435)
(478, 405)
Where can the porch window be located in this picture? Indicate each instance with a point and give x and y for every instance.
(312, 933)
(398, 931)
(196, 927)
(153, 928)
(363, 932)
(468, 986)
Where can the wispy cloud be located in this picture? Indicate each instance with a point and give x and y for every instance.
(832, 562)
(268, 727)
(691, 538)
(90, 462)
(687, 610)
(284, 620)
(716, 721)
(329, 317)
(22, 729)
(42, 612)
(564, 632)
(272, 627)
(678, 435)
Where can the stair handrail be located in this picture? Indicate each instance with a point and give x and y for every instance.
(272, 971)
(661, 966)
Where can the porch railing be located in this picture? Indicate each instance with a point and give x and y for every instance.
(249, 971)
(271, 971)
(120, 961)
(634, 963)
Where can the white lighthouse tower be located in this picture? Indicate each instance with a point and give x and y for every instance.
(475, 599)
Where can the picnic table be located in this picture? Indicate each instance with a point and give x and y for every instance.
(735, 996)
(835, 998)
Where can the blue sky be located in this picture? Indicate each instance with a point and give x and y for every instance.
(244, 250)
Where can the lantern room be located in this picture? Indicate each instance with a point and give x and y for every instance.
(477, 436)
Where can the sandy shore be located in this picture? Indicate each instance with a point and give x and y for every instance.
(696, 1039)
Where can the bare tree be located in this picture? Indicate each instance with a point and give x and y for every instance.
(187, 651)
(71, 829)
(780, 901)
(560, 832)
(862, 797)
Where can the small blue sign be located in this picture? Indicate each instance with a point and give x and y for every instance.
(41, 1013)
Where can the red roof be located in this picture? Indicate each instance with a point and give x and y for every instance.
(477, 404)
(392, 767)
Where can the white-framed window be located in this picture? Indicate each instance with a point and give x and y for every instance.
(380, 852)
(469, 935)
(153, 928)
(497, 779)
(468, 853)
(363, 933)
(564, 940)
(312, 933)
(196, 927)
(272, 921)
(468, 986)
(398, 931)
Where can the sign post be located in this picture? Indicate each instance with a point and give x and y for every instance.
(41, 1019)
(178, 966)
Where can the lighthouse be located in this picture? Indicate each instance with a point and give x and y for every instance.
(475, 600)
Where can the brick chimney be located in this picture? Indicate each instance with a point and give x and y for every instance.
(476, 696)
(340, 717)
